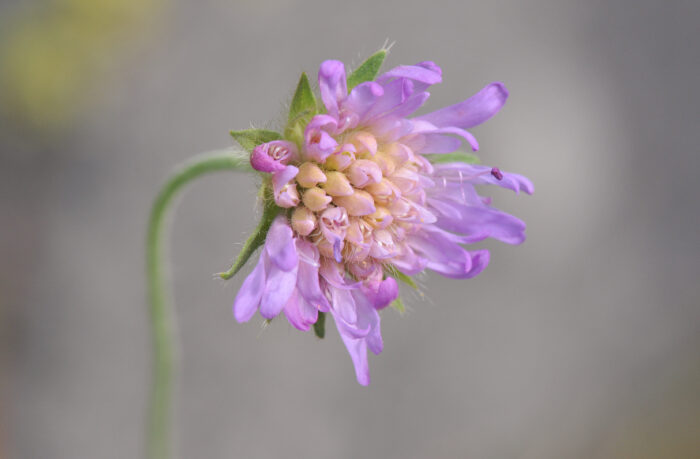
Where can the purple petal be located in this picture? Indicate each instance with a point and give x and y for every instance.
(250, 293)
(333, 86)
(385, 292)
(330, 271)
(396, 92)
(279, 245)
(473, 111)
(279, 286)
(343, 304)
(444, 256)
(369, 317)
(307, 278)
(363, 97)
(408, 262)
(357, 348)
(293, 312)
(424, 74)
(480, 222)
(480, 259)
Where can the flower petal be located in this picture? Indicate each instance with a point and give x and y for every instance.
(357, 348)
(279, 286)
(279, 245)
(384, 293)
(307, 277)
(423, 74)
(473, 111)
(332, 84)
(362, 98)
(368, 317)
(250, 293)
(294, 314)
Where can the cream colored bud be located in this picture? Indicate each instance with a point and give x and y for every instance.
(337, 184)
(365, 143)
(303, 221)
(316, 199)
(386, 164)
(358, 204)
(310, 175)
(340, 161)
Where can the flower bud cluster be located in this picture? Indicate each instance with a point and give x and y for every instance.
(356, 203)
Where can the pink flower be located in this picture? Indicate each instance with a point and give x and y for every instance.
(367, 203)
(273, 156)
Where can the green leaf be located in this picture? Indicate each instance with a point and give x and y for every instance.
(457, 157)
(251, 138)
(302, 108)
(270, 211)
(390, 270)
(398, 305)
(320, 325)
(368, 70)
(303, 103)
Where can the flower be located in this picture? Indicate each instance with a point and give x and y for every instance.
(372, 198)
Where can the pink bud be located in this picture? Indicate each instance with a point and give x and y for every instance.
(273, 156)
(334, 224)
(318, 142)
(365, 142)
(384, 246)
(284, 188)
(341, 159)
(363, 172)
(366, 270)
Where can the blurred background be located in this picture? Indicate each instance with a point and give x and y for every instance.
(582, 343)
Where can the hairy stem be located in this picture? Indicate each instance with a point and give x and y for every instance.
(161, 313)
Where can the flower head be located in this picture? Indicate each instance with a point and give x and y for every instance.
(373, 195)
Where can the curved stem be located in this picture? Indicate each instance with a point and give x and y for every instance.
(160, 310)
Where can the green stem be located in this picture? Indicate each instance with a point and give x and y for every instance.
(160, 309)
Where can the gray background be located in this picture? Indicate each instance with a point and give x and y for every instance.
(581, 343)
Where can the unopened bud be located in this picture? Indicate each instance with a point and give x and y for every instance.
(303, 221)
(316, 199)
(310, 175)
(337, 184)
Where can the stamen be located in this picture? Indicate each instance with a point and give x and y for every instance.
(496, 172)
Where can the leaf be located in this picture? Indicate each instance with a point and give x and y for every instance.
(457, 157)
(320, 325)
(398, 305)
(303, 102)
(302, 108)
(391, 270)
(251, 138)
(368, 70)
(270, 211)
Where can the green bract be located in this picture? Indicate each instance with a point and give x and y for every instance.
(257, 239)
(301, 110)
(251, 138)
(368, 70)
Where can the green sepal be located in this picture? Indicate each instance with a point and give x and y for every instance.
(320, 325)
(302, 108)
(270, 211)
(368, 70)
(458, 157)
(251, 138)
(390, 270)
(398, 305)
